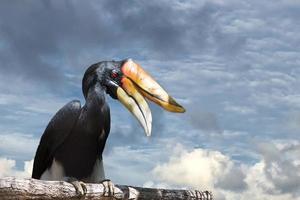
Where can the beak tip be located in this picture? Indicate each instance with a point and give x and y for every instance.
(178, 107)
(148, 133)
(182, 110)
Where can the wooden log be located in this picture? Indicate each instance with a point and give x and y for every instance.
(13, 188)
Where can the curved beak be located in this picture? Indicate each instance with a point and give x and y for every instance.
(136, 84)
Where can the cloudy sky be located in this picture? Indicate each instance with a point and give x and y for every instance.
(234, 65)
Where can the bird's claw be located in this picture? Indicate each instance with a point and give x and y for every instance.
(80, 187)
(108, 188)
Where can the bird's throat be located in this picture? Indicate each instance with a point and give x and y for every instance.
(96, 97)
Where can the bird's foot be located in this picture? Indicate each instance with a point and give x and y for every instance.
(108, 188)
(79, 186)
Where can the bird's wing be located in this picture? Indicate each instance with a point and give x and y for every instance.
(56, 132)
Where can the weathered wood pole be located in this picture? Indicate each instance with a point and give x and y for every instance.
(13, 188)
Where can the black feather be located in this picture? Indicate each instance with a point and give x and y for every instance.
(55, 134)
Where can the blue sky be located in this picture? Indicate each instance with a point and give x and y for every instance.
(233, 64)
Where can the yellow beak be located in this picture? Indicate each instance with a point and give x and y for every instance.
(136, 84)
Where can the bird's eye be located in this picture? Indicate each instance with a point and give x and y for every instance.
(114, 74)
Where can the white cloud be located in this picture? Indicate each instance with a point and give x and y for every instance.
(275, 176)
(260, 186)
(199, 168)
(8, 168)
(282, 166)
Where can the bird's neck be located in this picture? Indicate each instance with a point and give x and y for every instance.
(95, 98)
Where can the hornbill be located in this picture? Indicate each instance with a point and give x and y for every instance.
(71, 147)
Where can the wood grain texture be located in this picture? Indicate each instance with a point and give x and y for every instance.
(13, 188)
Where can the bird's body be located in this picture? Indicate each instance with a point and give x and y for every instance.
(85, 128)
(74, 140)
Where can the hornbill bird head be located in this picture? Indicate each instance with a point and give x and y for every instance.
(128, 82)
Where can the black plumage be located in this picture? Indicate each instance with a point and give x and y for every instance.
(76, 135)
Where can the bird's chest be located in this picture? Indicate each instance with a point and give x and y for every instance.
(84, 142)
(84, 146)
(90, 128)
